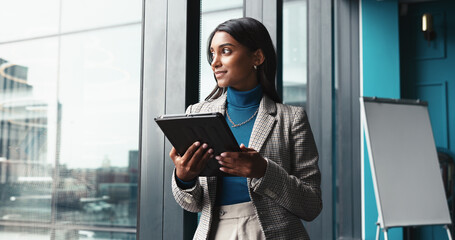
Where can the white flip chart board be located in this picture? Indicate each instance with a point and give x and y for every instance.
(404, 163)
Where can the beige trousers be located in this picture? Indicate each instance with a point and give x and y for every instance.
(236, 222)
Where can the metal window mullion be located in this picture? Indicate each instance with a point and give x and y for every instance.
(253, 8)
(176, 89)
(355, 120)
(348, 119)
(319, 105)
(170, 71)
(151, 190)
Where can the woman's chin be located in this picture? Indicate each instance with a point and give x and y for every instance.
(222, 84)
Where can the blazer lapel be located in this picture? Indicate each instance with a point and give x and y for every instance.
(263, 124)
(219, 104)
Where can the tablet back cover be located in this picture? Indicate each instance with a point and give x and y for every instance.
(211, 128)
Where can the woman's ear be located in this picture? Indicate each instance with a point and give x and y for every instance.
(258, 57)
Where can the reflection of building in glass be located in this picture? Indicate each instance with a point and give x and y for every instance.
(13, 77)
(23, 120)
(118, 188)
(110, 196)
(133, 165)
(25, 177)
(53, 129)
(133, 169)
(34, 188)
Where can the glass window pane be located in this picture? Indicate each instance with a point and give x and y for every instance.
(212, 14)
(93, 235)
(28, 74)
(85, 14)
(99, 105)
(19, 233)
(69, 121)
(28, 18)
(295, 52)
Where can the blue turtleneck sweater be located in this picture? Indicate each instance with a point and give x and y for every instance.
(240, 107)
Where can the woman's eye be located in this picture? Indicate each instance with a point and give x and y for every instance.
(226, 50)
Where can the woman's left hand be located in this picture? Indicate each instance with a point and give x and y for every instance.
(246, 163)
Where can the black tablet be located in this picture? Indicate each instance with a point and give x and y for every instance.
(211, 128)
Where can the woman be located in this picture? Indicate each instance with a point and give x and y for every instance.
(277, 179)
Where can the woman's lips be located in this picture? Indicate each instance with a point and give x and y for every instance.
(219, 74)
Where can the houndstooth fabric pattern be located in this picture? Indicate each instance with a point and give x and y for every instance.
(289, 190)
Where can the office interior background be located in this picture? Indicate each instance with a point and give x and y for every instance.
(82, 81)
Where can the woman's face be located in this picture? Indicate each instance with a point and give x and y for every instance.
(233, 64)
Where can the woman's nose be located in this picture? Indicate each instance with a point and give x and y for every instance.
(215, 61)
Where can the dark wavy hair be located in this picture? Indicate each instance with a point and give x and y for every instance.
(253, 35)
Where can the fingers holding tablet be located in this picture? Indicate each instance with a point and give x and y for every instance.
(191, 164)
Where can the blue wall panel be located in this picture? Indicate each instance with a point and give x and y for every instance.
(381, 60)
(428, 73)
(435, 93)
(416, 72)
(381, 78)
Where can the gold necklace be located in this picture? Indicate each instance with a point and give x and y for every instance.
(240, 124)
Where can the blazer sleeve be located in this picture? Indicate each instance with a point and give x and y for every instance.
(299, 190)
(190, 199)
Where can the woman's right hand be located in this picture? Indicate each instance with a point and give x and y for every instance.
(188, 166)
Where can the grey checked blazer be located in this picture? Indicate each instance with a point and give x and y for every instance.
(289, 190)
